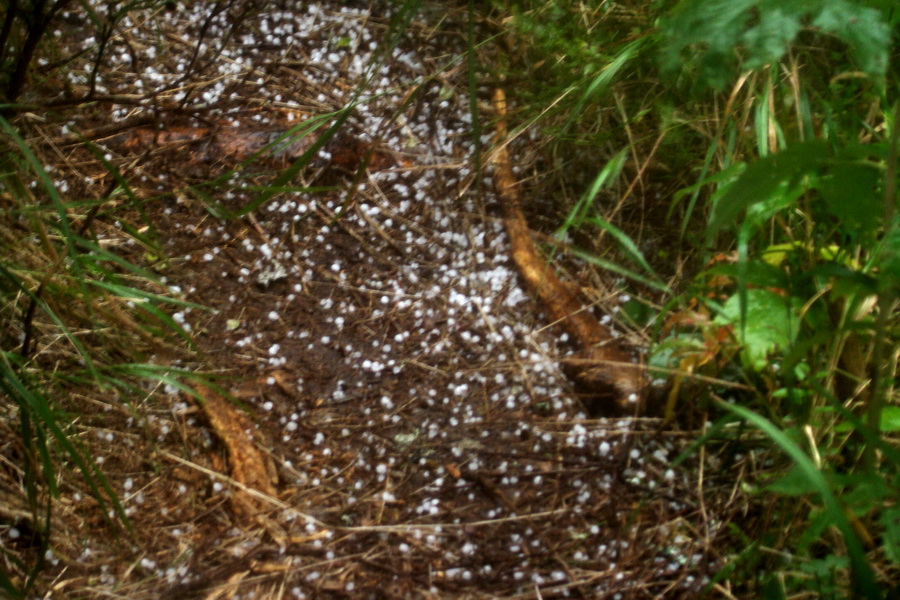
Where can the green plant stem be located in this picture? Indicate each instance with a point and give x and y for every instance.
(886, 298)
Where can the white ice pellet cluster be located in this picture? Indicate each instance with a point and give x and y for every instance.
(415, 369)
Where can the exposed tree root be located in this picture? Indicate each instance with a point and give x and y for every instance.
(613, 381)
(249, 466)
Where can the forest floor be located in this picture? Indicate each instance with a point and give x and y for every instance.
(397, 384)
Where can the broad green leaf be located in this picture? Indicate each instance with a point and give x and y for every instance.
(776, 254)
(890, 419)
(890, 521)
(716, 25)
(846, 281)
(770, 324)
(863, 29)
(769, 39)
(794, 483)
(764, 29)
(766, 179)
(851, 195)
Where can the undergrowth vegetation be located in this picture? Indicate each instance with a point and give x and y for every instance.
(734, 163)
(762, 139)
(79, 316)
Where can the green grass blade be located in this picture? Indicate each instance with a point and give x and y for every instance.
(472, 85)
(134, 201)
(631, 249)
(692, 203)
(124, 291)
(38, 407)
(164, 318)
(616, 268)
(603, 80)
(55, 199)
(761, 121)
(608, 174)
(6, 584)
(863, 576)
(67, 333)
(97, 255)
(713, 431)
(288, 175)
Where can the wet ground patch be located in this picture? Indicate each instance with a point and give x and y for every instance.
(404, 387)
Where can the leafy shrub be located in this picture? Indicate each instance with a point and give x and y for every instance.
(808, 288)
(778, 121)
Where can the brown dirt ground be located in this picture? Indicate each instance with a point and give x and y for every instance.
(395, 381)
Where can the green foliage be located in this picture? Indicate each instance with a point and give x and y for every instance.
(576, 62)
(761, 32)
(890, 522)
(810, 282)
(810, 479)
(57, 280)
(795, 172)
(766, 323)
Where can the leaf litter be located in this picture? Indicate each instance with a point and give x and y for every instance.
(402, 427)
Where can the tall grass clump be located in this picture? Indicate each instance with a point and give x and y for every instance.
(80, 316)
(763, 138)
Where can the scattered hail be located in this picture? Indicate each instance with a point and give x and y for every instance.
(433, 259)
